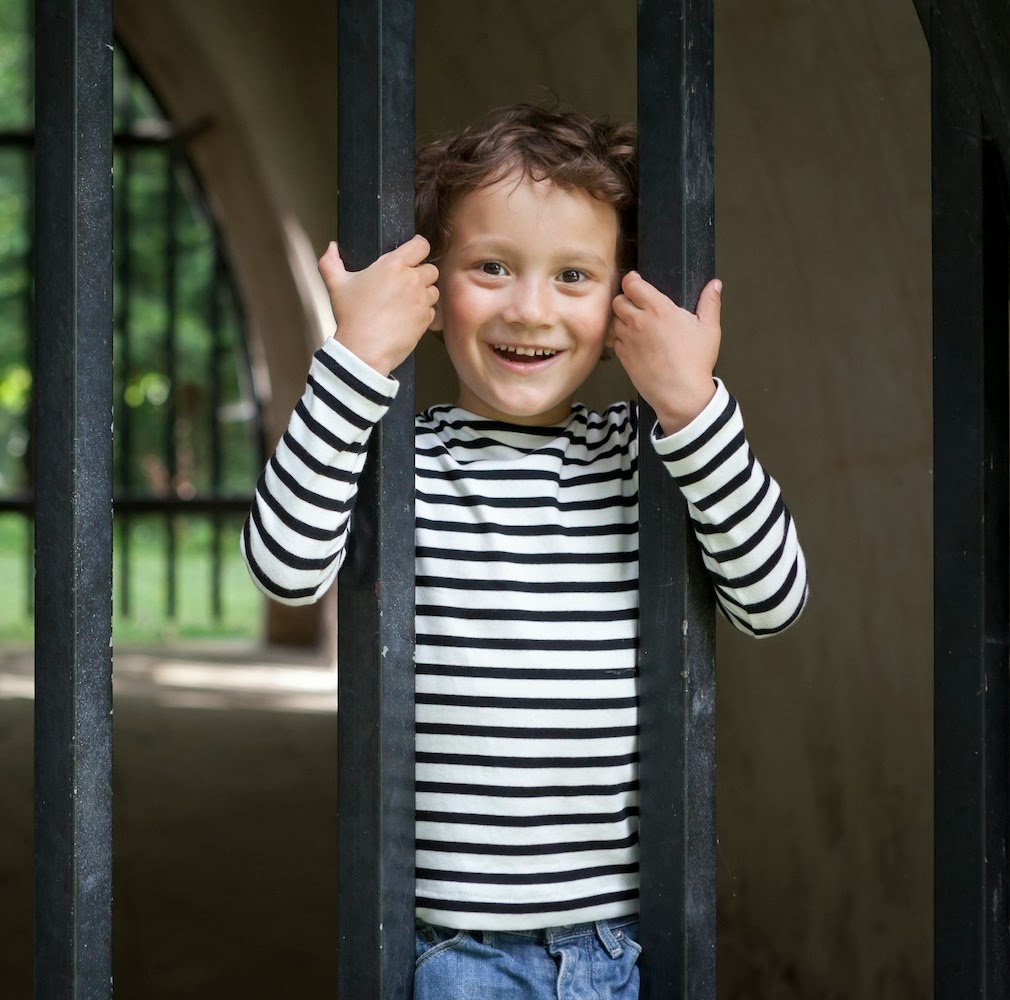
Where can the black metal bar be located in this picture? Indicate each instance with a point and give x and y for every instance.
(184, 506)
(979, 32)
(234, 325)
(156, 135)
(676, 660)
(124, 291)
(73, 536)
(20, 503)
(171, 374)
(214, 425)
(375, 756)
(989, 39)
(971, 565)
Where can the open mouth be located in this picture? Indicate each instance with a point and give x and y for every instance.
(523, 355)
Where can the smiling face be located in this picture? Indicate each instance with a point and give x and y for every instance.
(526, 286)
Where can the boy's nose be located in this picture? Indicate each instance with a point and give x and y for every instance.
(531, 305)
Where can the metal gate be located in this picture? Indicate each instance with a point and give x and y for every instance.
(376, 594)
(970, 46)
(971, 94)
(73, 535)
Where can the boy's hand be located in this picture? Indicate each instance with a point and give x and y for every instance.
(668, 352)
(383, 310)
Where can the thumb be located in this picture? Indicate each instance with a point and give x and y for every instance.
(710, 303)
(331, 265)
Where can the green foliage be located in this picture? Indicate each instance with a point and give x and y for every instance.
(15, 284)
(15, 64)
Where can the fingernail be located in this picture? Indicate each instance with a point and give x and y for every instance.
(718, 285)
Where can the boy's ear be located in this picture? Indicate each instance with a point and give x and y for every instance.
(437, 323)
(608, 341)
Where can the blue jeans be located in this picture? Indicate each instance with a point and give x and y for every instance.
(597, 961)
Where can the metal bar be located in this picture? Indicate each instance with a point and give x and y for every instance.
(676, 659)
(235, 325)
(73, 537)
(375, 755)
(171, 269)
(971, 498)
(231, 504)
(214, 424)
(988, 40)
(979, 32)
(124, 291)
(156, 135)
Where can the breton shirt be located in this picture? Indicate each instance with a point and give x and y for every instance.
(526, 622)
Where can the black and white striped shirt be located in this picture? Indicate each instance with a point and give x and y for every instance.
(526, 621)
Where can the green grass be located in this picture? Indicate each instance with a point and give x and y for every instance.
(148, 620)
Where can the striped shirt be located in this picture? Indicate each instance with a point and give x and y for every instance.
(526, 623)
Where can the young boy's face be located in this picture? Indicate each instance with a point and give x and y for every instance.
(530, 267)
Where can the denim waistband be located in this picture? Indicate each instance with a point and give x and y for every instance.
(609, 933)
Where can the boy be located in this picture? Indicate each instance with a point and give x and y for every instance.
(526, 536)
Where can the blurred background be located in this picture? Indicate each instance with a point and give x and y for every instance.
(225, 195)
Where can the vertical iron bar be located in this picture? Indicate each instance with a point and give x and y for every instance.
(996, 305)
(171, 270)
(214, 425)
(971, 497)
(73, 536)
(676, 660)
(375, 756)
(234, 327)
(124, 263)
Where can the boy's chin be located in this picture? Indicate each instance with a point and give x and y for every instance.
(529, 413)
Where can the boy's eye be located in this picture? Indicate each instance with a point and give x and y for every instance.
(493, 268)
(571, 276)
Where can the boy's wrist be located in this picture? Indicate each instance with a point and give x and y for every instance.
(365, 351)
(359, 368)
(676, 415)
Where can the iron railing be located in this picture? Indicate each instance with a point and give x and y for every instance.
(971, 496)
(73, 799)
(73, 519)
(375, 753)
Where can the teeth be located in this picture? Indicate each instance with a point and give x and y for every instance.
(529, 352)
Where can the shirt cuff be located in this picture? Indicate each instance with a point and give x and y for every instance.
(686, 436)
(362, 371)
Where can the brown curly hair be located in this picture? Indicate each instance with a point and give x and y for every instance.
(568, 149)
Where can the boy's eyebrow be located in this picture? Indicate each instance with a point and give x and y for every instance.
(493, 246)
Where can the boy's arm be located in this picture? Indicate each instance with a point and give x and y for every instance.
(746, 533)
(293, 539)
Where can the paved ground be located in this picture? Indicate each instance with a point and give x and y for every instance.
(224, 825)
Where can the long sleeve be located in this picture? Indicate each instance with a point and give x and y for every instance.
(747, 536)
(293, 539)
